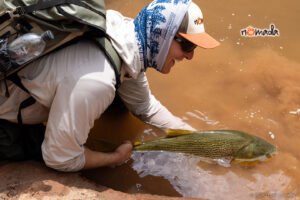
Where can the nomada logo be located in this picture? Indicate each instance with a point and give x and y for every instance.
(250, 31)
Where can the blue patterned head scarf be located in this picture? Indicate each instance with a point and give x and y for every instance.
(155, 28)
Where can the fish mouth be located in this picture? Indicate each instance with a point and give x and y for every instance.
(271, 154)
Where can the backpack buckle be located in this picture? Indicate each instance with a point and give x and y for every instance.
(19, 11)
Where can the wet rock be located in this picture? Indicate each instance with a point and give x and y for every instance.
(33, 180)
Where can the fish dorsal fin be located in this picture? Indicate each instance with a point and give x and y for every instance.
(177, 132)
(137, 143)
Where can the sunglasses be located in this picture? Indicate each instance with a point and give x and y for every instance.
(185, 45)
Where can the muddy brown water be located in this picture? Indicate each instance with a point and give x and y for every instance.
(248, 84)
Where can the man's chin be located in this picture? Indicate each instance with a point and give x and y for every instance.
(166, 71)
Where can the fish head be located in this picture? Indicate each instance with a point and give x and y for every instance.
(257, 149)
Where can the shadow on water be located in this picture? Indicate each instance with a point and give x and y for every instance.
(247, 84)
(126, 179)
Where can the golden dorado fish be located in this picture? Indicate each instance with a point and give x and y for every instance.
(217, 144)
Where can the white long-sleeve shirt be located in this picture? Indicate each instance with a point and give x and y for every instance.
(74, 86)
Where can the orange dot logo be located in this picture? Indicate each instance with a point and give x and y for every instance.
(250, 31)
(198, 21)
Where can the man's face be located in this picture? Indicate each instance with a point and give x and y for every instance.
(175, 54)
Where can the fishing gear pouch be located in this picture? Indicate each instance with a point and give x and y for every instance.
(66, 19)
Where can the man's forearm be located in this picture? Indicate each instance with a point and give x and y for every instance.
(94, 159)
(163, 118)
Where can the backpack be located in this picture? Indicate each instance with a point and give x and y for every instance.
(68, 20)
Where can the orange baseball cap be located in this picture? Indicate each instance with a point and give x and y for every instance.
(192, 28)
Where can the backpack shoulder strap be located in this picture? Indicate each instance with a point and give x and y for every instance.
(105, 45)
(27, 102)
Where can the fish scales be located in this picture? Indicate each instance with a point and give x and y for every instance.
(201, 144)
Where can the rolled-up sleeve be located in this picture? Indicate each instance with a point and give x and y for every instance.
(137, 96)
(77, 103)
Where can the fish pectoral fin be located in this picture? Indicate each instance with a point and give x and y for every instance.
(225, 162)
(177, 132)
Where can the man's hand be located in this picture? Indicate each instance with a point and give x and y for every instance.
(94, 159)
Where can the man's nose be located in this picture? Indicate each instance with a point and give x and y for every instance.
(189, 55)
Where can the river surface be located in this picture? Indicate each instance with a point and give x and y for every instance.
(250, 84)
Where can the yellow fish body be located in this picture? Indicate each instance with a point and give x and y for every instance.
(230, 144)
